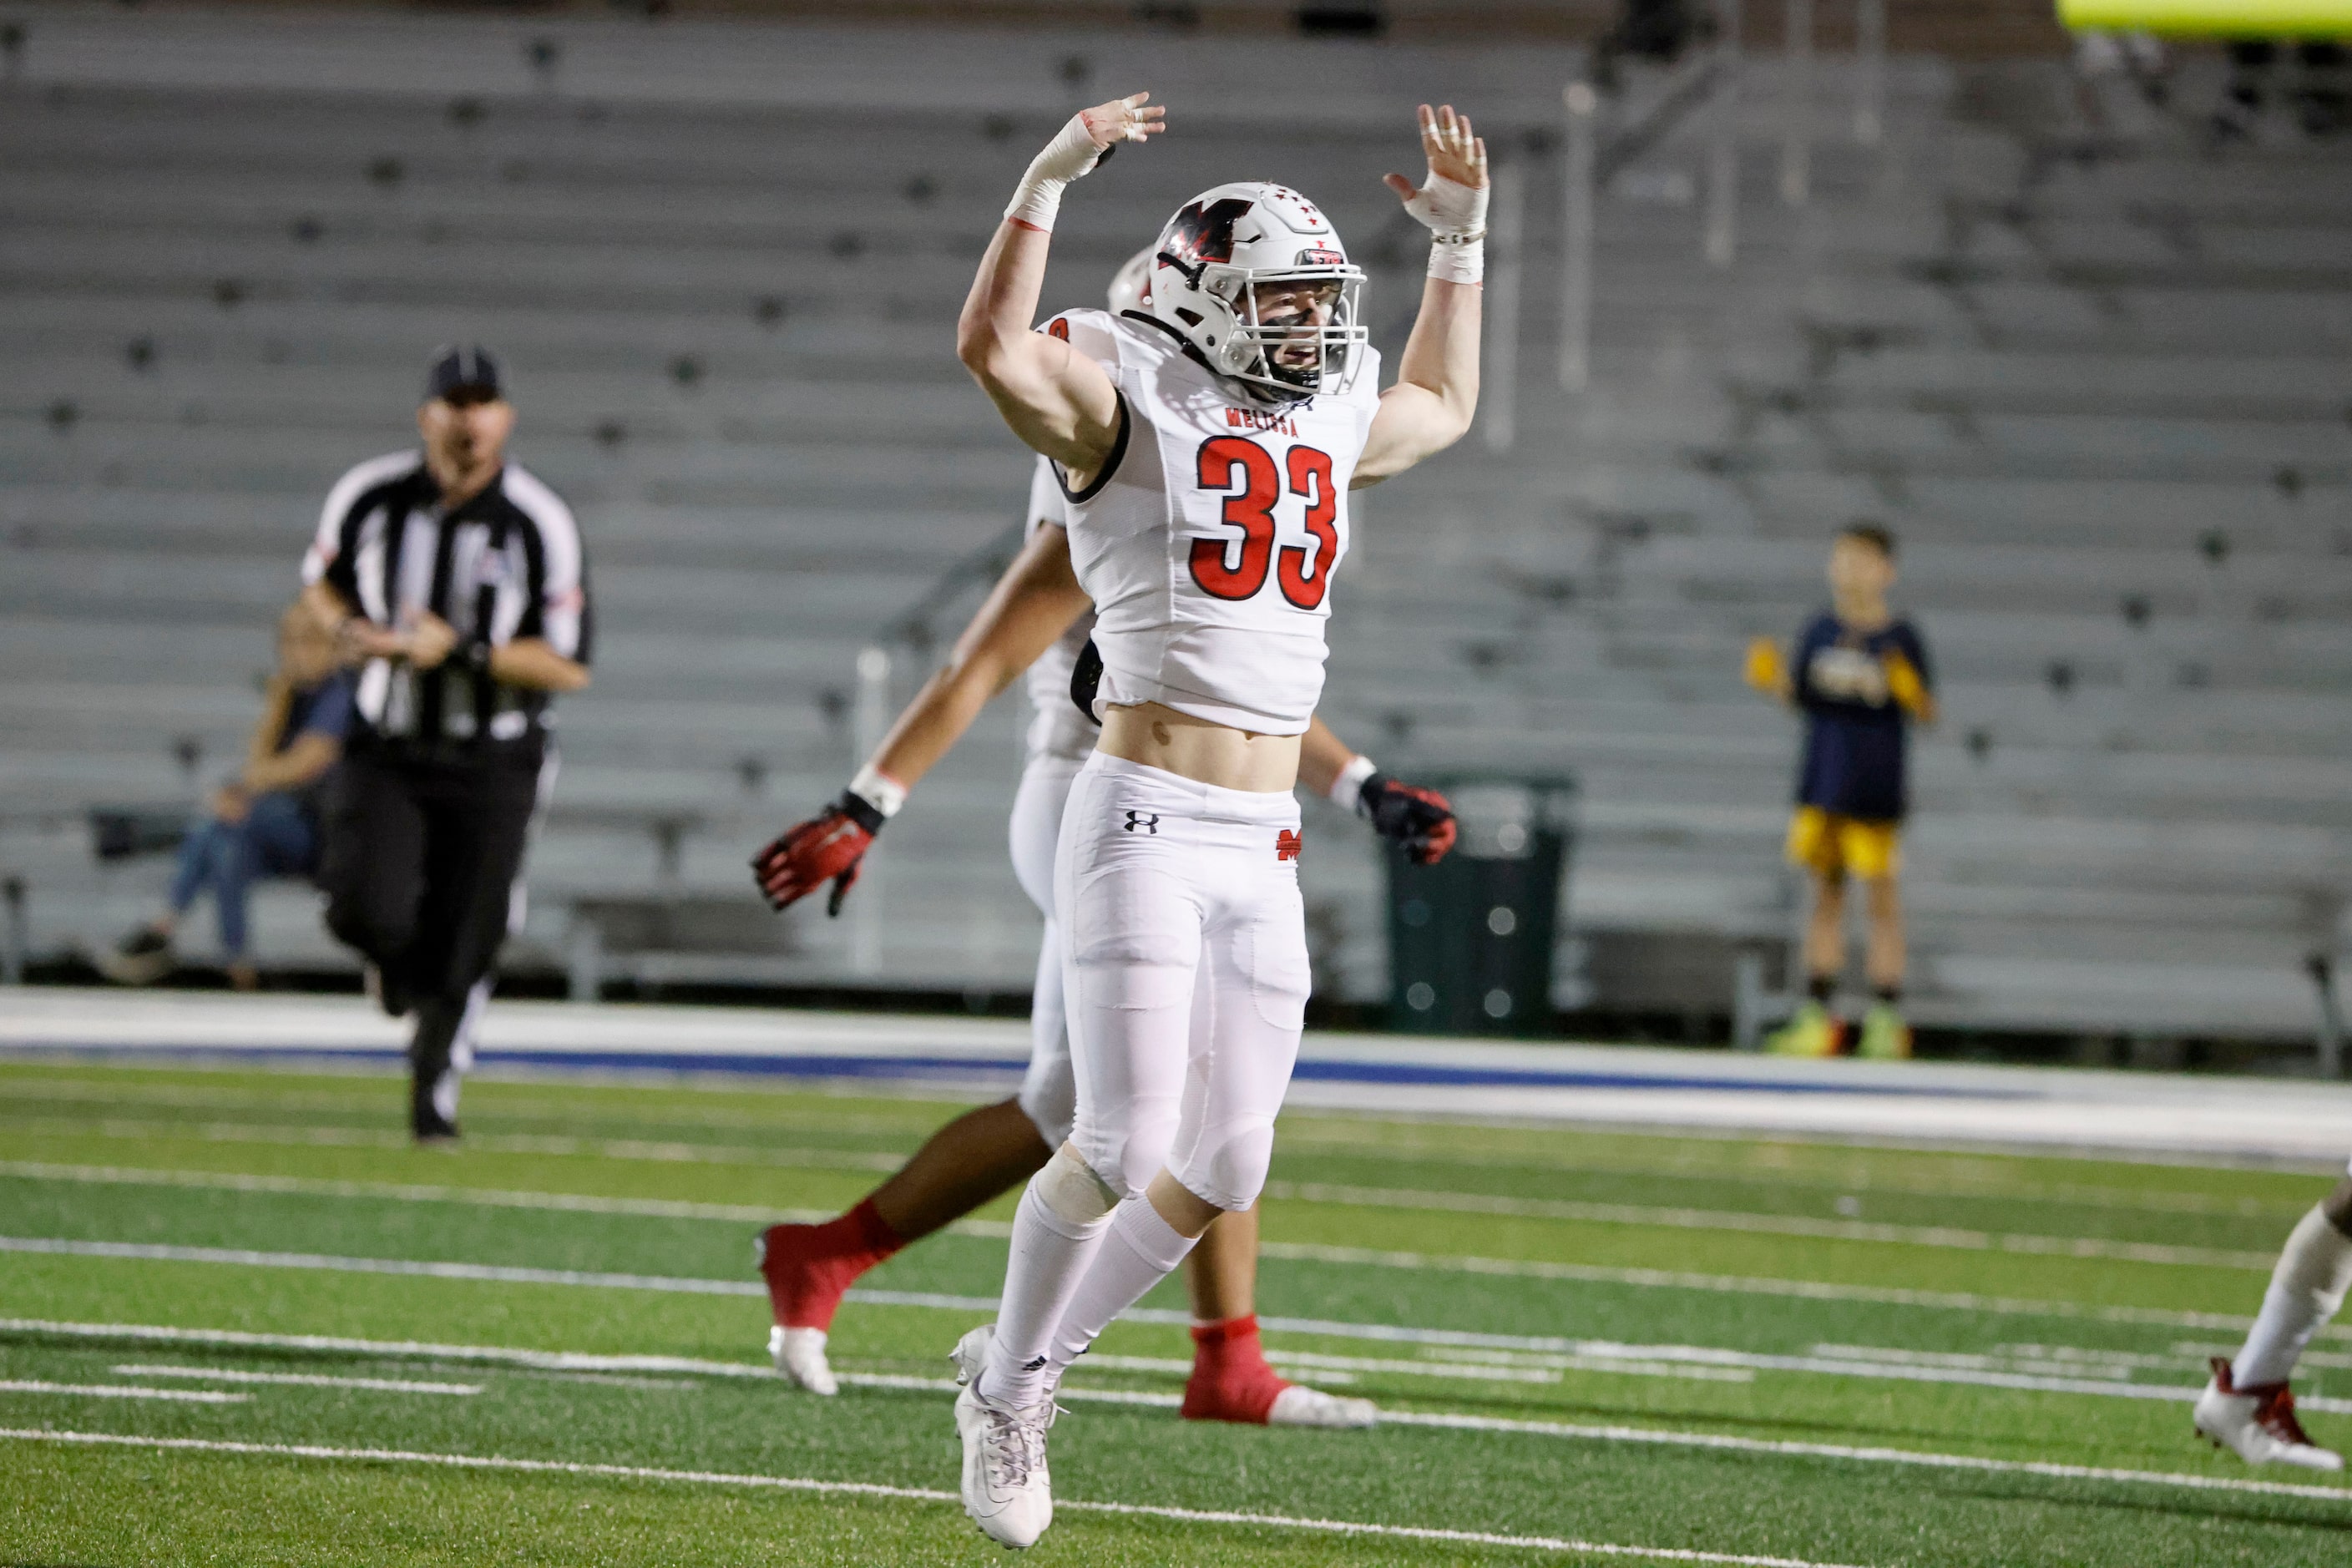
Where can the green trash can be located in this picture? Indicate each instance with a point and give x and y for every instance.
(1471, 938)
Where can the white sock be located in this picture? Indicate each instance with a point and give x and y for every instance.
(2307, 1288)
(1050, 1252)
(1142, 1251)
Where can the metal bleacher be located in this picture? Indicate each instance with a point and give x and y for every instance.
(2090, 366)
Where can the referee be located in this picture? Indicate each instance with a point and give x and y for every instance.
(456, 582)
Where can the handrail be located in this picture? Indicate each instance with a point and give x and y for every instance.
(912, 627)
(1698, 79)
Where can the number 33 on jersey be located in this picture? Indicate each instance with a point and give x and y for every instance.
(1209, 540)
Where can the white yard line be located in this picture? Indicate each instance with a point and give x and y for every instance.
(2068, 1361)
(917, 1494)
(608, 1380)
(1863, 1456)
(330, 1263)
(1310, 1137)
(405, 1191)
(1948, 1236)
(1755, 1285)
(946, 1386)
(1599, 1358)
(580, 1360)
(1337, 1369)
(297, 1379)
(672, 1284)
(1310, 1134)
(632, 1149)
(1322, 1193)
(402, 1350)
(2055, 1109)
(368, 1103)
(1304, 1252)
(1502, 1366)
(119, 1390)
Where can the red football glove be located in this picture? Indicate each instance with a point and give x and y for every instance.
(826, 847)
(1419, 819)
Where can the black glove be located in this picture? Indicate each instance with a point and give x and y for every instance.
(1422, 820)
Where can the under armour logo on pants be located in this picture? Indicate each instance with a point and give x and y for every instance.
(1147, 820)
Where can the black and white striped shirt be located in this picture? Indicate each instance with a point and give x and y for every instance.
(507, 563)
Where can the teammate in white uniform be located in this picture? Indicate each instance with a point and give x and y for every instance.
(1206, 449)
(983, 1153)
(2247, 1407)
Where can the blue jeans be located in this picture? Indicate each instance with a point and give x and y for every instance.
(276, 840)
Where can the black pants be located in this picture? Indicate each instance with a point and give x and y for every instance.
(419, 867)
(420, 862)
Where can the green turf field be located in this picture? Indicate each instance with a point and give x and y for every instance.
(245, 1322)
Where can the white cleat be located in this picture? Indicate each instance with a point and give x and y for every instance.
(1298, 1406)
(2258, 1424)
(799, 1354)
(1006, 1488)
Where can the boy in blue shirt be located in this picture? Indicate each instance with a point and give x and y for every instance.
(1861, 676)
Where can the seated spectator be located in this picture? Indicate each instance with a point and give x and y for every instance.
(264, 823)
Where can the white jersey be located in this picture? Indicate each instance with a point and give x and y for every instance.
(1058, 730)
(1208, 540)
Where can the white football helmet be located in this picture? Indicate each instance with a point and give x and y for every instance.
(1130, 286)
(1235, 245)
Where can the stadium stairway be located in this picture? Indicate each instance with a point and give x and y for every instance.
(2089, 364)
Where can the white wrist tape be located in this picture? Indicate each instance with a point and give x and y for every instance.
(1070, 155)
(879, 790)
(1455, 216)
(1448, 206)
(1348, 789)
(1459, 258)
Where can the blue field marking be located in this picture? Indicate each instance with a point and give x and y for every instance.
(1425, 1073)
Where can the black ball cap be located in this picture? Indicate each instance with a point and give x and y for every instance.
(462, 373)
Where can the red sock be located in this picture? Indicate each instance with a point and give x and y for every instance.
(810, 1267)
(1231, 1380)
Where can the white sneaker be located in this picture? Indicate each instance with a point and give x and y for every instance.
(2258, 1424)
(141, 958)
(1300, 1406)
(1006, 1488)
(799, 1354)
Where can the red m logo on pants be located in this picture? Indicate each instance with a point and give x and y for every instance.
(1285, 845)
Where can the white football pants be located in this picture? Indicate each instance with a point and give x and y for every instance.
(1048, 1094)
(1185, 974)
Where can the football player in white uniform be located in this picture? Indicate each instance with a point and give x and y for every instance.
(1206, 447)
(2247, 1407)
(1037, 620)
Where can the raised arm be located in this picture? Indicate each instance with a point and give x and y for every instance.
(1033, 602)
(1436, 390)
(1056, 400)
